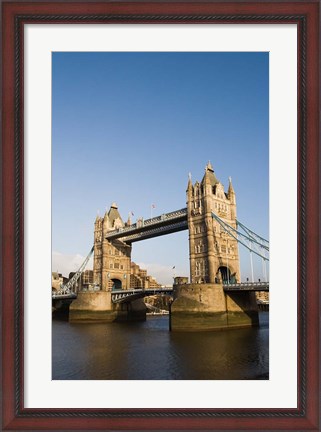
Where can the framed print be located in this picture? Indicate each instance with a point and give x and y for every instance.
(119, 101)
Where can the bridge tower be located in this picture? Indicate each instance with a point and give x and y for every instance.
(111, 258)
(214, 255)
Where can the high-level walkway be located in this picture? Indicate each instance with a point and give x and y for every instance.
(144, 229)
(166, 224)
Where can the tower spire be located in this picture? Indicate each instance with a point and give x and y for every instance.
(230, 187)
(189, 184)
(209, 176)
(209, 166)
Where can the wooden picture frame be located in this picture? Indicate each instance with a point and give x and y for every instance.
(15, 416)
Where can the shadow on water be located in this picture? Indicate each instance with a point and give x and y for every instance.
(147, 350)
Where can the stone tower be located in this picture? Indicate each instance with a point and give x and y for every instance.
(111, 258)
(213, 253)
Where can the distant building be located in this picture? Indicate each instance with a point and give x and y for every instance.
(262, 296)
(140, 279)
(57, 279)
(180, 280)
(87, 279)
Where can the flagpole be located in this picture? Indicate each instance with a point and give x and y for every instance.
(151, 210)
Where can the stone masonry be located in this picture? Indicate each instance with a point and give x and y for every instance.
(111, 259)
(214, 254)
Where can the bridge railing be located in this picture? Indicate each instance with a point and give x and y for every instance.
(246, 286)
(232, 285)
(123, 295)
(152, 231)
(63, 294)
(149, 222)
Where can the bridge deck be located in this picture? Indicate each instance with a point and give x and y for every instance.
(160, 225)
(121, 296)
(64, 296)
(247, 286)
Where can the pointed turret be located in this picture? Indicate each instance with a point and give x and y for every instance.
(189, 184)
(98, 219)
(231, 192)
(129, 219)
(209, 176)
(114, 216)
(209, 166)
(209, 180)
(106, 222)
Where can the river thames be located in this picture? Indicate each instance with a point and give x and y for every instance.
(149, 351)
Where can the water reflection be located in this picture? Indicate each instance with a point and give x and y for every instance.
(147, 350)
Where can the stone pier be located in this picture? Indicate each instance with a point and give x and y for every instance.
(198, 307)
(97, 306)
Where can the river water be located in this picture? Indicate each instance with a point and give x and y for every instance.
(148, 350)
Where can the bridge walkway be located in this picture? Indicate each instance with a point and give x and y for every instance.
(143, 229)
(121, 296)
(247, 286)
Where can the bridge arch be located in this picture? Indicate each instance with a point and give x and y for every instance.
(227, 274)
(117, 284)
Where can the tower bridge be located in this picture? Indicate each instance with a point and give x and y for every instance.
(214, 236)
(144, 229)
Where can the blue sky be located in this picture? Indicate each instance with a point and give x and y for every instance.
(129, 127)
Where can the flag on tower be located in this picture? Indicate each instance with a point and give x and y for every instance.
(173, 268)
(153, 206)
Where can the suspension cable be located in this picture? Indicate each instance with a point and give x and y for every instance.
(249, 232)
(234, 233)
(72, 282)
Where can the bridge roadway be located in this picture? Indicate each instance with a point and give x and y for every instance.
(144, 229)
(63, 295)
(246, 286)
(122, 296)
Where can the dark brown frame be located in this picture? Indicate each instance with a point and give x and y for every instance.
(306, 15)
